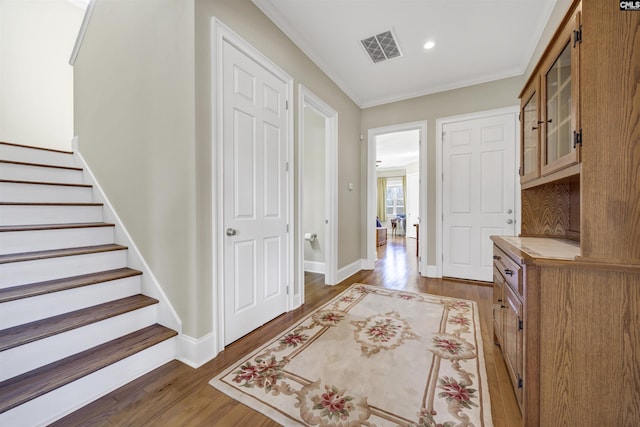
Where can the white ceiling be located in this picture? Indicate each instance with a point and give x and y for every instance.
(476, 41)
(397, 150)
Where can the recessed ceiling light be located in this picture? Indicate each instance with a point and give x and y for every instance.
(429, 45)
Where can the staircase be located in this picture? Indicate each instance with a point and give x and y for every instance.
(73, 322)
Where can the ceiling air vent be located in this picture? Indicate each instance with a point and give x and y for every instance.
(381, 47)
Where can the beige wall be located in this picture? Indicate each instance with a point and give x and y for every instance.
(486, 96)
(36, 80)
(135, 119)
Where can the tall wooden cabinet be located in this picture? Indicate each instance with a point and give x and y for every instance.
(576, 301)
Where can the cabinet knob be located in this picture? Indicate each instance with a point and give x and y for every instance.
(496, 257)
(509, 272)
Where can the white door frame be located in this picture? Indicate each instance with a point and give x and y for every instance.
(440, 123)
(220, 33)
(308, 98)
(372, 191)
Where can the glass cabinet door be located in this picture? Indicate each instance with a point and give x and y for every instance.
(560, 109)
(530, 135)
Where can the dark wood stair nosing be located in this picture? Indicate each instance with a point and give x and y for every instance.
(17, 336)
(61, 226)
(30, 385)
(71, 204)
(14, 293)
(41, 165)
(60, 184)
(58, 253)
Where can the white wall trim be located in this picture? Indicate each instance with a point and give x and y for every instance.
(308, 98)
(432, 271)
(371, 243)
(439, 126)
(195, 352)
(314, 267)
(349, 270)
(88, 13)
(220, 33)
(150, 286)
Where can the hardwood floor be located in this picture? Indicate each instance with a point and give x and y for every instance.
(178, 395)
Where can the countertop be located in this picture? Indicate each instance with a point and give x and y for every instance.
(533, 248)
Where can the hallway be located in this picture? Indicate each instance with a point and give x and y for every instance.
(176, 394)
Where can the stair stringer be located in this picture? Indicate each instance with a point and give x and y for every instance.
(167, 316)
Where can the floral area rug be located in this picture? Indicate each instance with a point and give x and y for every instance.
(370, 357)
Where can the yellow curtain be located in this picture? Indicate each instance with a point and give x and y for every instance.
(382, 199)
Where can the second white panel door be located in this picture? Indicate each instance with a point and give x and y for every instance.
(478, 193)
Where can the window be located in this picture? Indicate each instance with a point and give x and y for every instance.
(395, 197)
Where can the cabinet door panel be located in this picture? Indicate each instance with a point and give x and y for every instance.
(530, 133)
(512, 348)
(498, 305)
(560, 106)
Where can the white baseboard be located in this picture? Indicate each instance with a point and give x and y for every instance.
(314, 266)
(195, 352)
(366, 265)
(350, 270)
(432, 271)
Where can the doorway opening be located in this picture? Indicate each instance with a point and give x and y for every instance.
(396, 197)
(317, 190)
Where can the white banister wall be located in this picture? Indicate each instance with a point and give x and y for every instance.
(36, 80)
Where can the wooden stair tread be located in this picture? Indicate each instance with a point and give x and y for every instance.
(18, 390)
(54, 226)
(40, 165)
(33, 331)
(62, 184)
(34, 289)
(55, 253)
(36, 148)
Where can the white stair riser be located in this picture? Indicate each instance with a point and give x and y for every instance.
(29, 155)
(26, 272)
(40, 174)
(19, 360)
(38, 214)
(17, 192)
(15, 242)
(64, 400)
(25, 310)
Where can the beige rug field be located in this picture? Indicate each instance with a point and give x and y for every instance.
(370, 357)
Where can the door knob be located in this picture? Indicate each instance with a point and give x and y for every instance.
(509, 221)
(231, 231)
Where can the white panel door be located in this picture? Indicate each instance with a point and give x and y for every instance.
(478, 193)
(256, 250)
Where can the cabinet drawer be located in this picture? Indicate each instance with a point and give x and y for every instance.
(511, 271)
